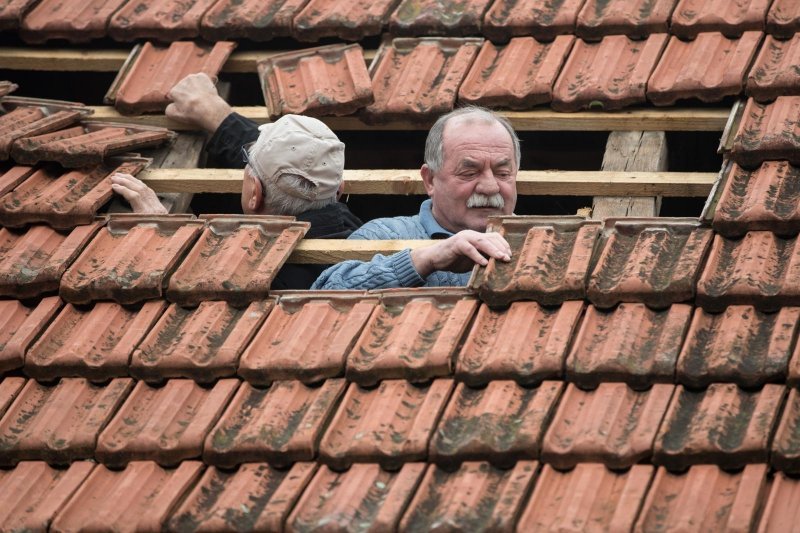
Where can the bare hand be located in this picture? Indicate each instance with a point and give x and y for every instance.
(461, 252)
(141, 197)
(195, 101)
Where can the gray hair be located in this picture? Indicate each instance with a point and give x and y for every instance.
(434, 144)
(278, 202)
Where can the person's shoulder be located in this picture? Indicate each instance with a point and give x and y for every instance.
(403, 227)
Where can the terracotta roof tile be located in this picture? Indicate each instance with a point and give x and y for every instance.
(281, 424)
(235, 259)
(364, 498)
(653, 261)
(476, 497)
(740, 345)
(167, 424)
(549, 262)
(731, 18)
(783, 19)
(347, 19)
(146, 78)
(203, 343)
(501, 423)
(58, 423)
(11, 13)
(307, 336)
(390, 424)
(760, 269)
(723, 425)
(33, 493)
(782, 509)
(10, 387)
(32, 261)
(257, 20)
(411, 334)
(13, 176)
(26, 121)
(768, 131)
(164, 20)
(613, 424)
(709, 68)
(587, 498)
(418, 78)
(77, 21)
(20, 324)
(328, 80)
(786, 446)
(130, 259)
(93, 342)
(526, 343)
(773, 74)
(628, 65)
(542, 20)
(438, 17)
(256, 497)
(517, 76)
(62, 199)
(146, 508)
(637, 19)
(705, 498)
(794, 367)
(631, 343)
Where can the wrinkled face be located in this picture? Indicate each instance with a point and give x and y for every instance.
(478, 175)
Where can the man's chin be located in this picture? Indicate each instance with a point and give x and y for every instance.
(479, 216)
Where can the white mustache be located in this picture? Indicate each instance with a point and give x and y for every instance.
(481, 200)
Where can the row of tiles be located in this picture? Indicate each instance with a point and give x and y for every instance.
(311, 20)
(341, 424)
(476, 497)
(312, 337)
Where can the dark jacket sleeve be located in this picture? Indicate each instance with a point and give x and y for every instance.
(225, 146)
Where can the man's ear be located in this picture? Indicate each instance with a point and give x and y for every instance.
(256, 200)
(427, 178)
(340, 190)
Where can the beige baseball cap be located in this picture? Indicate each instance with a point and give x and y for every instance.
(303, 146)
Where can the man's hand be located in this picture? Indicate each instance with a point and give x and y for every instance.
(461, 252)
(195, 101)
(141, 197)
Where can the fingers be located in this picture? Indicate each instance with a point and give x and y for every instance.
(141, 197)
(489, 244)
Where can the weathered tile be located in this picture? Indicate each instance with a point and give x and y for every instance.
(13, 176)
(281, 424)
(501, 423)
(723, 425)
(476, 497)
(33, 260)
(783, 18)
(653, 261)
(760, 269)
(11, 13)
(390, 424)
(329, 80)
(33, 493)
(637, 18)
(58, 423)
(351, 20)
(92, 342)
(542, 20)
(708, 68)
(235, 259)
(628, 65)
(550, 259)
(438, 17)
(203, 343)
(77, 21)
(705, 498)
(587, 498)
(365, 498)
(768, 132)
(794, 366)
(257, 20)
(630, 343)
(526, 343)
(786, 446)
(519, 75)
(166, 424)
(730, 17)
(614, 425)
(146, 78)
(10, 387)
(411, 334)
(307, 336)
(418, 78)
(774, 73)
(143, 495)
(20, 324)
(782, 509)
(740, 345)
(164, 20)
(31, 117)
(130, 259)
(256, 497)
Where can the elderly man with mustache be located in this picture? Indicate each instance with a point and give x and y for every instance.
(472, 157)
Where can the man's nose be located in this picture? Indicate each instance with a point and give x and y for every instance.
(487, 183)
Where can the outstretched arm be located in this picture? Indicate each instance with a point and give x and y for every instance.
(195, 101)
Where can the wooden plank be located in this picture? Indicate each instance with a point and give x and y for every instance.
(329, 251)
(391, 181)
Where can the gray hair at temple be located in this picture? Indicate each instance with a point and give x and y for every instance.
(434, 144)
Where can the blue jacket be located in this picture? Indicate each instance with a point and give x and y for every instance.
(396, 270)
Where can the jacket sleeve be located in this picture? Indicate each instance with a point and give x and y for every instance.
(225, 146)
